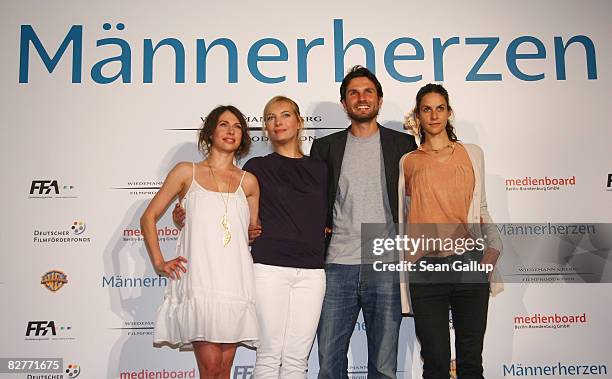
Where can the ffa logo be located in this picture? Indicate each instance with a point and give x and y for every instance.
(54, 280)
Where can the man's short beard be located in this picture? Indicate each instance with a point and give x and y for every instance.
(367, 118)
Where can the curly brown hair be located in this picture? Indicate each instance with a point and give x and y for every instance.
(210, 124)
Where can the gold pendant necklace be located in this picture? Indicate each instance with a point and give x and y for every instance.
(437, 151)
(227, 234)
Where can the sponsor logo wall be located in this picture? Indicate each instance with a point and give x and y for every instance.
(92, 125)
(545, 183)
(555, 369)
(552, 321)
(73, 233)
(54, 280)
(51, 189)
(48, 330)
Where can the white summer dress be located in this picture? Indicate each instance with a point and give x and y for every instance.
(214, 300)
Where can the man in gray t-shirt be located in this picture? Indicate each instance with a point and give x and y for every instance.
(363, 170)
(361, 198)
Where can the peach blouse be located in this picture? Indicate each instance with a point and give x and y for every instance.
(441, 192)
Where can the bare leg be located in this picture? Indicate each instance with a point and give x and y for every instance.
(214, 359)
(229, 351)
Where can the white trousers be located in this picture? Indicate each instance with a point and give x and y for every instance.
(288, 302)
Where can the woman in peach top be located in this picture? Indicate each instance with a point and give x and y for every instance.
(443, 184)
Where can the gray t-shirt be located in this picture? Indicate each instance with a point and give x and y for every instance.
(361, 197)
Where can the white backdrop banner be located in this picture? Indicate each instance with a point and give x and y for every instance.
(101, 99)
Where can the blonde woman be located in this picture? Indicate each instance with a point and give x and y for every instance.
(289, 248)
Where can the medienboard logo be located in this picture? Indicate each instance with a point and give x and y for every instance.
(543, 184)
(163, 373)
(609, 183)
(164, 234)
(549, 321)
(74, 232)
(137, 328)
(141, 187)
(48, 330)
(54, 280)
(51, 189)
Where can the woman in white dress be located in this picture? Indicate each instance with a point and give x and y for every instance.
(289, 245)
(209, 304)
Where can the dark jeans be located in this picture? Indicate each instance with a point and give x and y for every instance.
(349, 289)
(468, 302)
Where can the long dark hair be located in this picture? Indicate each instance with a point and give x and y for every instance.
(434, 88)
(210, 124)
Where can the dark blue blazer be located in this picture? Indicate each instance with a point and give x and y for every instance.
(330, 149)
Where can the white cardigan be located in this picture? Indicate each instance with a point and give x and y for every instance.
(478, 211)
